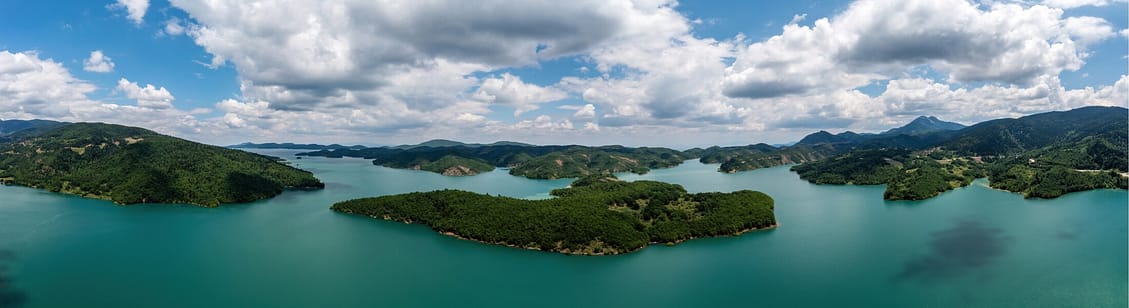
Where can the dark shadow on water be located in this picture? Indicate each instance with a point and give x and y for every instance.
(959, 250)
(9, 297)
(1065, 235)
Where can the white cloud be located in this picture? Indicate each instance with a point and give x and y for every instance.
(510, 90)
(877, 40)
(148, 96)
(98, 62)
(797, 18)
(135, 9)
(173, 27)
(1069, 4)
(35, 88)
(587, 111)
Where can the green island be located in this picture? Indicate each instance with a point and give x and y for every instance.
(129, 165)
(597, 215)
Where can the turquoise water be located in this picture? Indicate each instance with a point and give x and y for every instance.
(836, 246)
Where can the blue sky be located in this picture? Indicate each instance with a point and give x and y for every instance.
(652, 72)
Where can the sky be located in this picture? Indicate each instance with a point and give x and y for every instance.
(632, 72)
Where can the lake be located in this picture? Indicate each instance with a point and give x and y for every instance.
(836, 246)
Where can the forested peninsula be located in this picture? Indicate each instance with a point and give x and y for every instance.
(1039, 156)
(129, 165)
(597, 215)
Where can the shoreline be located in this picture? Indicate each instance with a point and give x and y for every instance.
(565, 252)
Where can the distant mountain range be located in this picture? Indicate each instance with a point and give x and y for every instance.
(293, 146)
(434, 143)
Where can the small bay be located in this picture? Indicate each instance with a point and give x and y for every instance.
(836, 246)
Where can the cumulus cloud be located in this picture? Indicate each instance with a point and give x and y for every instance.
(148, 96)
(798, 18)
(30, 87)
(35, 88)
(98, 62)
(877, 40)
(439, 69)
(135, 9)
(510, 90)
(173, 27)
(586, 111)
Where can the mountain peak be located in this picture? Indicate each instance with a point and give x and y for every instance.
(923, 125)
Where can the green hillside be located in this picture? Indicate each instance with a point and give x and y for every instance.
(133, 165)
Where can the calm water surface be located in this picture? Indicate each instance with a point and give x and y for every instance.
(836, 246)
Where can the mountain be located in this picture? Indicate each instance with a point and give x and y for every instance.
(10, 127)
(134, 165)
(824, 137)
(293, 146)
(923, 125)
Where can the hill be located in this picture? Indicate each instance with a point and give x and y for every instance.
(1040, 156)
(1010, 136)
(924, 125)
(134, 165)
(443, 143)
(597, 215)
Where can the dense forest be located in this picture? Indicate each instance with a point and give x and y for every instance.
(133, 165)
(597, 215)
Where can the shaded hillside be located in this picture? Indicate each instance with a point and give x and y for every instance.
(133, 165)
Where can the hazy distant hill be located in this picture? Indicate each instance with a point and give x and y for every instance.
(10, 127)
(443, 143)
(288, 145)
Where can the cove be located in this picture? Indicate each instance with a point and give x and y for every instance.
(836, 245)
